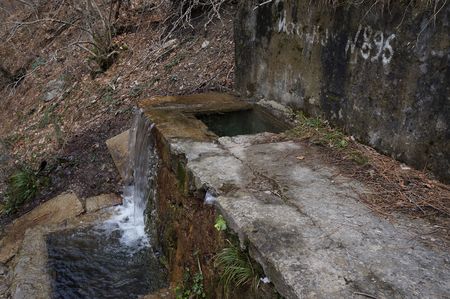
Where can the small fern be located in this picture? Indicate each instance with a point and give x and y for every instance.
(237, 268)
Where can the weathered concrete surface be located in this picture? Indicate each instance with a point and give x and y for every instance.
(118, 148)
(327, 245)
(301, 219)
(56, 210)
(306, 227)
(383, 76)
(175, 114)
(102, 201)
(30, 278)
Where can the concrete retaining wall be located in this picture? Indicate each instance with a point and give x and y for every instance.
(382, 76)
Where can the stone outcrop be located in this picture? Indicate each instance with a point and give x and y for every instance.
(54, 90)
(383, 76)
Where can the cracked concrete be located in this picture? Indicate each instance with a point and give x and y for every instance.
(324, 243)
(301, 218)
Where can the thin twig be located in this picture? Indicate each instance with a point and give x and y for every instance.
(365, 295)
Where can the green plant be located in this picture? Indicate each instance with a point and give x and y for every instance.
(23, 185)
(109, 96)
(220, 224)
(237, 268)
(136, 91)
(192, 286)
(318, 131)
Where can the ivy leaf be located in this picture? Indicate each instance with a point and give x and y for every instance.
(221, 224)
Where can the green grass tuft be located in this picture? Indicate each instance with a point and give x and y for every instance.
(237, 268)
(23, 186)
(318, 131)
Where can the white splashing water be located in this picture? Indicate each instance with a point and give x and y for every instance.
(129, 219)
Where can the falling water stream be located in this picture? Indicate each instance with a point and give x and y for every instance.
(114, 259)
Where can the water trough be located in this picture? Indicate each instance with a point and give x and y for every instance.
(300, 220)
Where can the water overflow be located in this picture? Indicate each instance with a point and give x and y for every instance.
(115, 257)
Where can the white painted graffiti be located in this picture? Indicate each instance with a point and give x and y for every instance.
(313, 36)
(375, 47)
(371, 41)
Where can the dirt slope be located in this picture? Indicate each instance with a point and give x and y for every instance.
(54, 107)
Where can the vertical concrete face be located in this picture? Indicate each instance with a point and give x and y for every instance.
(381, 76)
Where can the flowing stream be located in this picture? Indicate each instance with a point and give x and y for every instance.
(114, 259)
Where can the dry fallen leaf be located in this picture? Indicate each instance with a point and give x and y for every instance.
(300, 157)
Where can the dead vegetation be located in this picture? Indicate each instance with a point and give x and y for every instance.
(435, 5)
(42, 53)
(394, 186)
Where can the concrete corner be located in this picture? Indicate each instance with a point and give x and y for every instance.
(102, 201)
(54, 211)
(118, 148)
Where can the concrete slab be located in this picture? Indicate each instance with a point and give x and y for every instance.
(300, 218)
(54, 211)
(102, 201)
(305, 226)
(30, 278)
(175, 115)
(118, 148)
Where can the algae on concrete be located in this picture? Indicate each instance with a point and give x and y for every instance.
(301, 219)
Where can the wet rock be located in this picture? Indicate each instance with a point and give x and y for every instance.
(160, 294)
(56, 210)
(99, 202)
(118, 148)
(54, 89)
(30, 277)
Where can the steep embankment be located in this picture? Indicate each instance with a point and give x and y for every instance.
(59, 106)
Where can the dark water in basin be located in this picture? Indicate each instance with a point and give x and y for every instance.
(243, 122)
(90, 263)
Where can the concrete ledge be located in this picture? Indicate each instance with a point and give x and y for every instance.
(301, 219)
(30, 277)
(56, 210)
(118, 148)
(96, 203)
